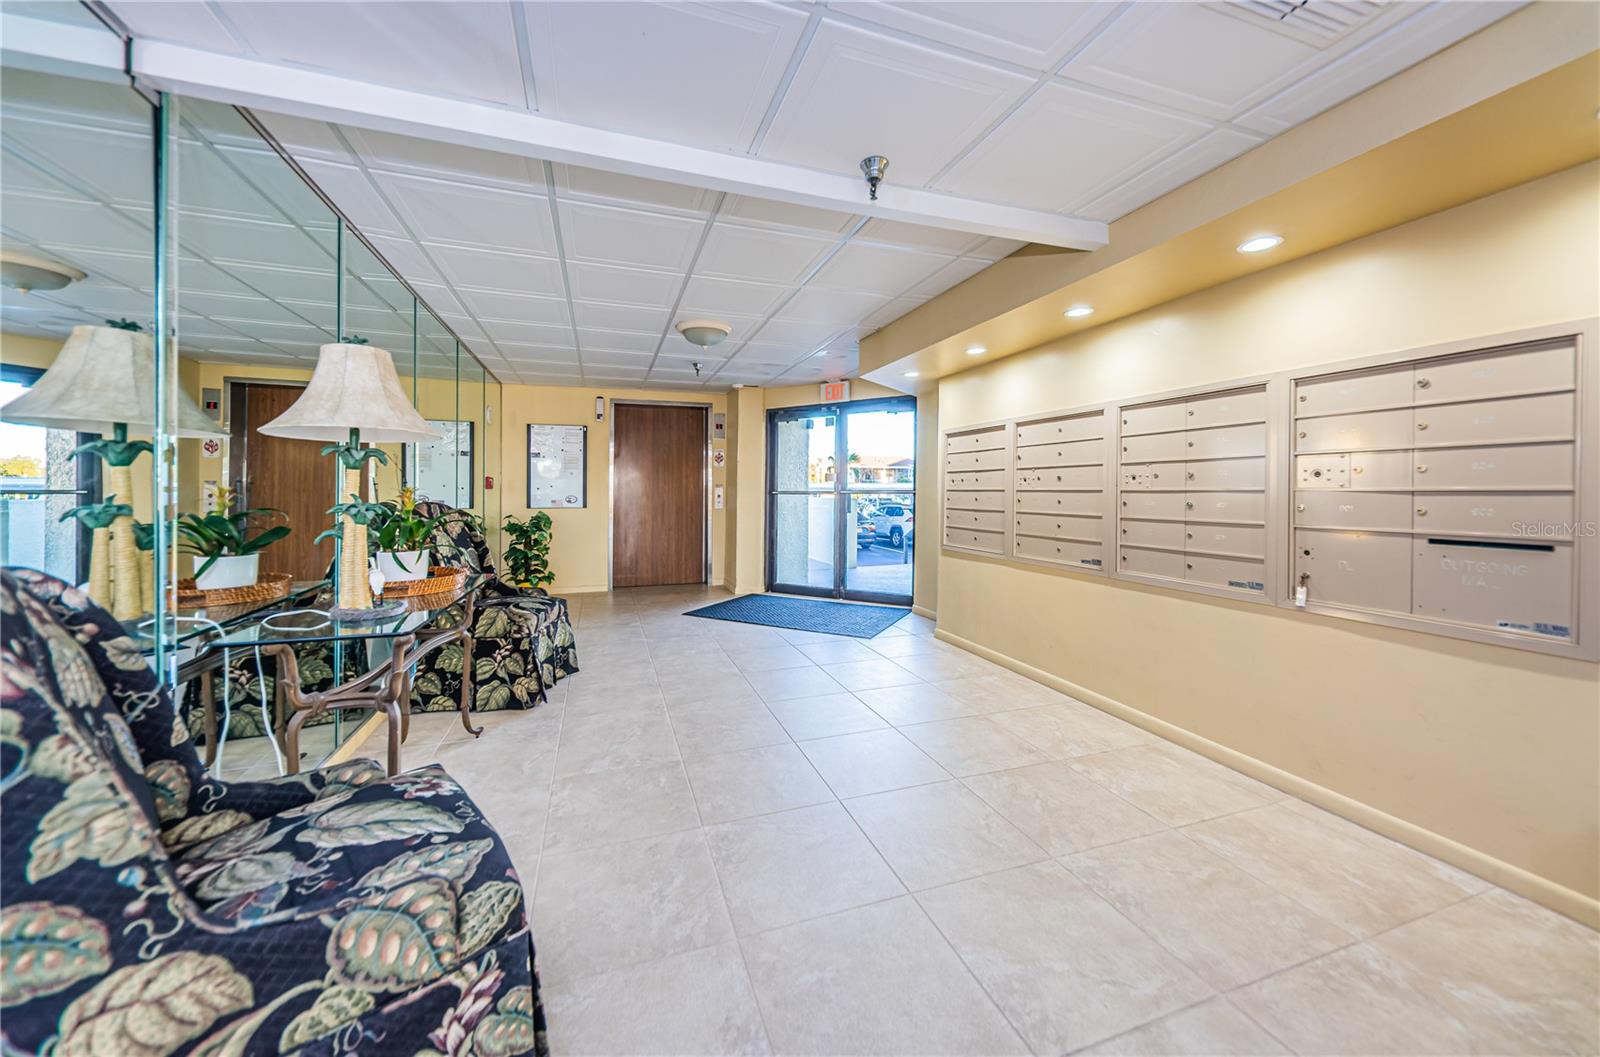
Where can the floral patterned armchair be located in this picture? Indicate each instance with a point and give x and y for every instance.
(150, 909)
(522, 639)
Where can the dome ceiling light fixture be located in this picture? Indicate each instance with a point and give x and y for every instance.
(873, 167)
(704, 332)
(24, 273)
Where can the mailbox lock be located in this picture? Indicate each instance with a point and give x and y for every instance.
(1190, 475)
(1316, 473)
(1422, 467)
(1355, 469)
(1191, 412)
(1124, 531)
(1423, 383)
(1302, 398)
(1188, 535)
(1188, 565)
(1302, 434)
(1422, 425)
(1188, 506)
(1422, 511)
(1300, 508)
(1191, 443)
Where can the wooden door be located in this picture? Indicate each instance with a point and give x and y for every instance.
(289, 475)
(658, 509)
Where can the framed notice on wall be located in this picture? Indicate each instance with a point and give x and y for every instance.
(441, 469)
(558, 466)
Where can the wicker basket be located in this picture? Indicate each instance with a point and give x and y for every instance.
(267, 588)
(440, 579)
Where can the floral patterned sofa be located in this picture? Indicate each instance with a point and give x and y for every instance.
(149, 909)
(522, 638)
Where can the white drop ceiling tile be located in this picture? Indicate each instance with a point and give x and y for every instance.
(576, 181)
(637, 286)
(468, 327)
(1035, 35)
(444, 211)
(301, 137)
(1191, 58)
(514, 308)
(755, 352)
(184, 21)
(250, 242)
(764, 211)
(993, 249)
(278, 183)
(1196, 159)
(890, 312)
(898, 233)
(491, 270)
(619, 340)
(294, 284)
(436, 298)
(210, 182)
(733, 251)
(700, 74)
(466, 50)
(113, 162)
(248, 307)
(858, 93)
(809, 336)
(835, 307)
(614, 235)
(953, 274)
(1036, 158)
(618, 317)
(138, 269)
(61, 225)
(610, 358)
(535, 333)
(393, 153)
(709, 294)
(355, 195)
(887, 270)
(407, 258)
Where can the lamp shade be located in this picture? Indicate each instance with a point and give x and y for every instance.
(103, 376)
(353, 387)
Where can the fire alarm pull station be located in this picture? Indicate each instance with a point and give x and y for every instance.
(488, 482)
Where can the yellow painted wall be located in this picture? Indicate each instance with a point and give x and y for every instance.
(1495, 749)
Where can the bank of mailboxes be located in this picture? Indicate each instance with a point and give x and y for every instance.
(1059, 481)
(1442, 489)
(1191, 496)
(976, 486)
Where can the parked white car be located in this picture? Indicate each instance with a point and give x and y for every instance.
(893, 522)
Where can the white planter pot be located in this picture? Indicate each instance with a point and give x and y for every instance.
(234, 570)
(415, 567)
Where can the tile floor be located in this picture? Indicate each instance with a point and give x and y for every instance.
(744, 840)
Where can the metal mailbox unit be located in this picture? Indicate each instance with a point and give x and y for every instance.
(1447, 490)
(977, 489)
(1060, 495)
(1194, 490)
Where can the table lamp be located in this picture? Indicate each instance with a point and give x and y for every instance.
(354, 396)
(103, 381)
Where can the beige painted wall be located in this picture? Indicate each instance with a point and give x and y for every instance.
(1493, 748)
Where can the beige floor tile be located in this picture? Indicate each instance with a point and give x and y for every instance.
(936, 834)
(690, 684)
(795, 865)
(943, 667)
(1522, 978)
(1354, 1001)
(1060, 809)
(917, 703)
(1072, 729)
(825, 716)
(1171, 783)
(796, 636)
(868, 675)
(726, 728)
(870, 762)
(1067, 969)
(875, 980)
(991, 692)
(973, 745)
(713, 693)
(1213, 1027)
(699, 1003)
(904, 645)
(591, 699)
(837, 651)
(743, 636)
(622, 904)
(1347, 874)
(770, 658)
(609, 806)
(614, 739)
(733, 785)
(1221, 922)
(792, 683)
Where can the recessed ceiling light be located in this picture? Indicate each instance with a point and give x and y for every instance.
(1259, 243)
(913, 374)
(1079, 311)
(976, 350)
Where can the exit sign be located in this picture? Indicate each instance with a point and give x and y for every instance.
(835, 392)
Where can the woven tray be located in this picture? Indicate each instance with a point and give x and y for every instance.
(267, 588)
(440, 578)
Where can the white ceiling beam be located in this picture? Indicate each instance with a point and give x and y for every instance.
(58, 47)
(312, 94)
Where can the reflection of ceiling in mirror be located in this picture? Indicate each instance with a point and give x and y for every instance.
(256, 264)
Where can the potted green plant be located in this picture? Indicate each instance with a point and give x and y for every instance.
(528, 552)
(401, 536)
(226, 554)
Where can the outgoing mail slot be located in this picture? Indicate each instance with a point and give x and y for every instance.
(983, 440)
(988, 520)
(1524, 588)
(1518, 517)
(1496, 374)
(1373, 511)
(1065, 527)
(1080, 553)
(1238, 573)
(975, 500)
(1366, 431)
(1157, 418)
(1154, 447)
(1520, 418)
(989, 542)
(1227, 475)
(976, 460)
(1249, 508)
(1244, 540)
(1526, 466)
(1227, 442)
(1168, 505)
(1059, 502)
(1355, 569)
(1343, 393)
(1081, 427)
(1067, 453)
(1227, 409)
(1150, 562)
(1151, 533)
(1152, 476)
(986, 479)
(1061, 477)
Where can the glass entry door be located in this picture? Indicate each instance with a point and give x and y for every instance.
(842, 482)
